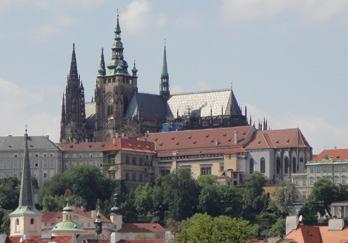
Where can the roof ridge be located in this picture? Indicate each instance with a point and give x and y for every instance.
(202, 92)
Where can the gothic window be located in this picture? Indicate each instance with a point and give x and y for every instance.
(294, 165)
(109, 110)
(286, 165)
(31, 221)
(278, 165)
(17, 221)
(262, 165)
(251, 166)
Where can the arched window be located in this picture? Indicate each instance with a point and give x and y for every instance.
(294, 165)
(278, 165)
(251, 166)
(286, 165)
(262, 165)
(109, 110)
(31, 221)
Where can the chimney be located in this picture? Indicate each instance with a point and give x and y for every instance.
(291, 224)
(336, 224)
(235, 137)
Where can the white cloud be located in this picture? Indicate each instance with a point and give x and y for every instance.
(317, 10)
(17, 107)
(320, 133)
(135, 18)
(50, 29)
(53, 4)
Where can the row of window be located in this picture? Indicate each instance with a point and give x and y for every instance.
(137, 161)
(133, 176)
(328, 168)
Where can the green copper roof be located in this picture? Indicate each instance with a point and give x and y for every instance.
(67, 209)
(24, 210)
(101, 70)
(66, 226)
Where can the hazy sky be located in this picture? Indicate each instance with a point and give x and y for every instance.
(287, 59)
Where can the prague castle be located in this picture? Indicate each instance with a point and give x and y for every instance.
(119, 108)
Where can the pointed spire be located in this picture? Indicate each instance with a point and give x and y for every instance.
(118, 28)
(26, 193)
(164, 74)
(164, 86)
(63, 110)
(73, 74)
(101, 70)
(134, 70)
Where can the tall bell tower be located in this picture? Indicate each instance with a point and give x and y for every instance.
(25, 221)
(115, 88)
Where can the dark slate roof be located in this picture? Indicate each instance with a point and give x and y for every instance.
(150, 106)
(16, 143)
(90, 121)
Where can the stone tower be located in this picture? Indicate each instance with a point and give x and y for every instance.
(164, 85)
(26, 219)
(73, 120)
(115, 88)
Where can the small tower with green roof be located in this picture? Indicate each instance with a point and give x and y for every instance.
(26, 219)
(67, 227)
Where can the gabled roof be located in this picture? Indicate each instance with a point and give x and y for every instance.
(334, 154)
(142, 227)
(150, 107)
(203, 141)
(16, 143)
(317, 234)
(205, 103)
(38, 239)
(55, 217)
(123, 144)
(284, 138)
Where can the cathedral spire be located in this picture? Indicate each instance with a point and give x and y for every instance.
(164, 87)
(63, 110)
(118, 28)
(26, 193)
(101, 70)
(73, 74)
(164, 74)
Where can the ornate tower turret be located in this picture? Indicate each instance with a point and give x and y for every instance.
(164, 86)
(73, 129)
(101, 70)
(114, 91)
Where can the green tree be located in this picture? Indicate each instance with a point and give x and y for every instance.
(9, 193)
(202, 228)
(277, 229)
(285, 196)
(179, 195)
(323, 193)
(206, 180)
(86, 183)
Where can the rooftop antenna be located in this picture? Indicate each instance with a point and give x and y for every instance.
(231, 84)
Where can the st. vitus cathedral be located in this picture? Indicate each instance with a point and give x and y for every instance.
(118, 108)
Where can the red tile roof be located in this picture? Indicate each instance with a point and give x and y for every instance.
(317, 234)
(124, 144)
(284, 138)
(38, 239)
(57, 216)
(204, 141)
(144, 228)
(334, 154)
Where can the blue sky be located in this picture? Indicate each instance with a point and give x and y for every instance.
(287, 60)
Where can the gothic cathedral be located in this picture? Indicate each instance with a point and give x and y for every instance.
(119, 109)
